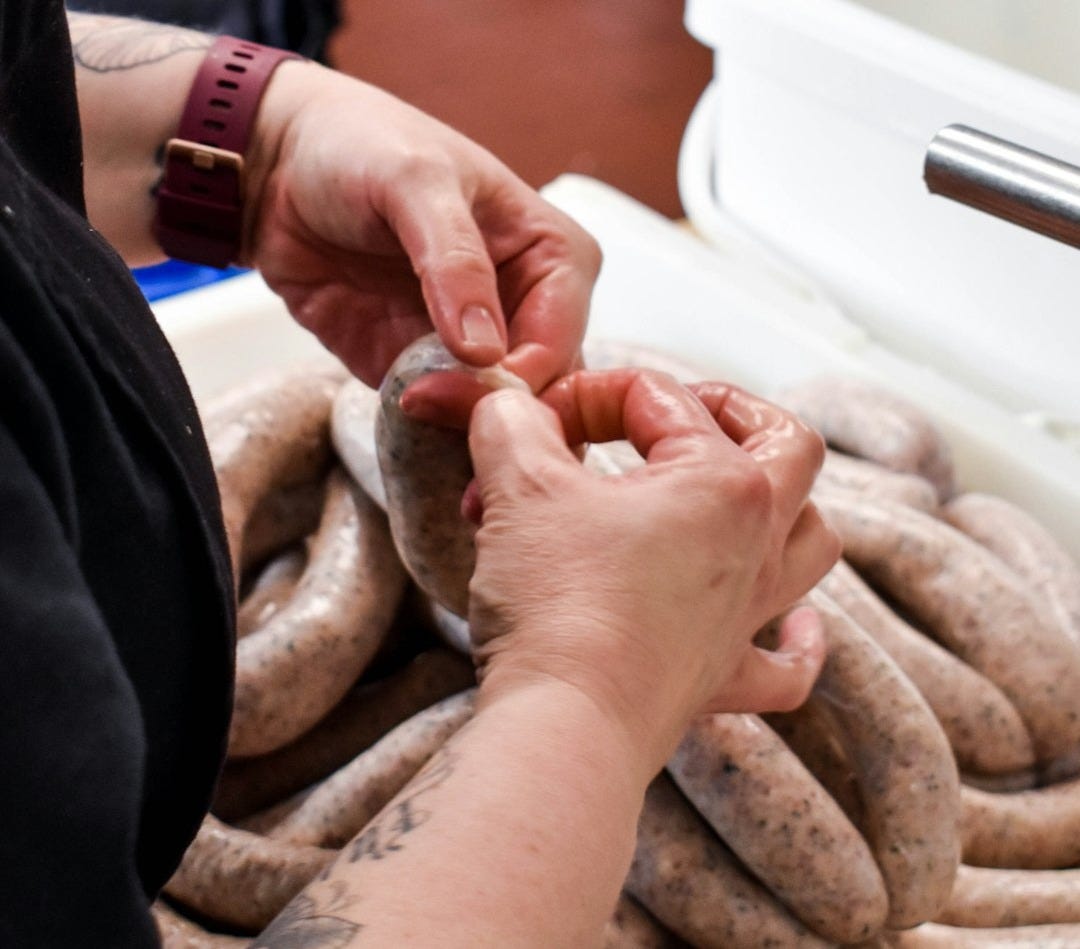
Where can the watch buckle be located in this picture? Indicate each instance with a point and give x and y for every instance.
(205, 158)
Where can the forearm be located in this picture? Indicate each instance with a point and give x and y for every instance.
(132, 79)
(519, 833)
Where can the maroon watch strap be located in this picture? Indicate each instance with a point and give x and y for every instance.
(200, 200)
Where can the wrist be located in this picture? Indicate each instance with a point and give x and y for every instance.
(632, 720)
(204, 192)
(292, 84)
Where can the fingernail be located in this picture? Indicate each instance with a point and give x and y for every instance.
(479, 328)
(418, 406)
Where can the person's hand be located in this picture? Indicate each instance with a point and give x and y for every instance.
(375, 222)
(645, 590)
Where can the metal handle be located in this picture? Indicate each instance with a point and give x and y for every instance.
(1006, 180)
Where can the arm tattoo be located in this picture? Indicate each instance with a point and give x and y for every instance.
(110, 44)
(382, 836)
(309, 924)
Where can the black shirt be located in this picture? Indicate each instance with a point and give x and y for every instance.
(116, 610)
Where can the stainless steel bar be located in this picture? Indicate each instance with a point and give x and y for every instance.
(1017, 184)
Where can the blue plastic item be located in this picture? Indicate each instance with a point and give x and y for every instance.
(175, 276)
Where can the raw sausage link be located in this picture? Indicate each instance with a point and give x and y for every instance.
(1026, 546)
(1003, 783)
(241, 879)
(764, 804)
(937, 936)
(301, 663)
(870, 480)
(811, 733)
(451, 628)
(282, 518)
(982, 725)
(1038, 829)
(271, 433)
(906, 771)
(631, 927)
(685, 876)
(176, 932)
(964, 596)
(352, 430)
(337, 810)
(871, 422)
(367, 712)
(988, 897)
(271, 589)
(425, 470)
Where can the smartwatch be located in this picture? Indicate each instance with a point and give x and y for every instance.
(200, 198)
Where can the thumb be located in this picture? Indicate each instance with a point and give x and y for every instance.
(778, 680)
(513, 438)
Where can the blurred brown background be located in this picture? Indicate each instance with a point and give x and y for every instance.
(599, 87)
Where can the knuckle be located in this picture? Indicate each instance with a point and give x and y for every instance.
(459, 257)
(417, 165)
(752, 489)
(590, 255)
(811, 443)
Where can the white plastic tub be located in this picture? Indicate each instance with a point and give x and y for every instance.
(814, 138)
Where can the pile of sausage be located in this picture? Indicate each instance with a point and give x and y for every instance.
(927, 794)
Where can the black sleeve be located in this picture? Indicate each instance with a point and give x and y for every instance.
(71, 741)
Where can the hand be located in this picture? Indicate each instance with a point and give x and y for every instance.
(375, 222)
(646, 590)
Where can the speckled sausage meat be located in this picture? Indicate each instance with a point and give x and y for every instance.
(1037, 829)
(982, 725)
(269, 434)
(765, 805)
(241, 879)
(366, 713)
(965, 597)
(938, 936)
(451, 629)
(1026, 546)
(870, 480)
(271, 589)
(868, 421)
(352, 430)
(906, 771)
(811, 733)
(301, 663)
(631, 927)
(282, 518)
(425, 470)
(989, 897)
(176, 932)
(338, 808)
(690, 881)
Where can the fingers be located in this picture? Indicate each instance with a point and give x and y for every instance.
(811, 549)
(659, 416)
(789, 451)
(512, 436)
(548, 323)
(781, 679)
(488, 289)
(443, 398)
(435, 225)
